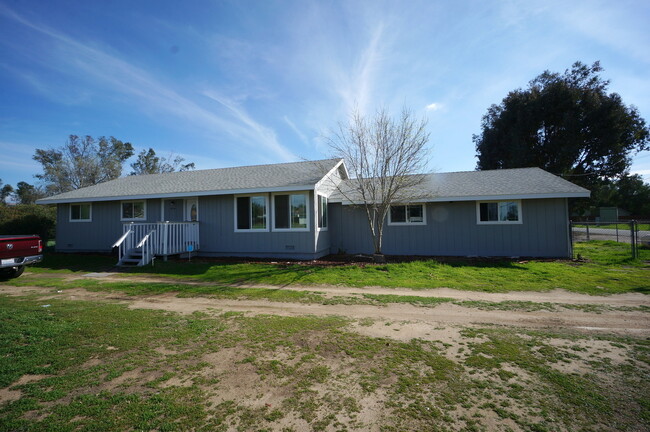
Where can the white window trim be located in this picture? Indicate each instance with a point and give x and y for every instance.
(499, 222)
(306, 194)
(123, 219)
(90, 219)
(252, 230)
(318, 213)
(407, 223)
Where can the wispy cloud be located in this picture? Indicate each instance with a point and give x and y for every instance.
(356, 88)
(18, 156)
(435, 106)
(295, 129)
(602, 22)
(265, 136)
(74, 57)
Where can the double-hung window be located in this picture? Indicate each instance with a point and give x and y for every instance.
(406, 214)
(290, 211)
(134, 210)
(322, 211)
(250, 213)
(499, 212)
(81, 212)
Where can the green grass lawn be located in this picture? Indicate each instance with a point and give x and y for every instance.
(607, 269)
(97, 366)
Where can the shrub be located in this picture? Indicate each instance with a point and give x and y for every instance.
(28, 219)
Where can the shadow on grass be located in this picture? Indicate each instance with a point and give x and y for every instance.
(77, 262)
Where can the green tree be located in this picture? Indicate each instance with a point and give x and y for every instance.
(149, 163)
(27, 194)
(82, 162)
(566, 124)
(629, 192)
(5, 192)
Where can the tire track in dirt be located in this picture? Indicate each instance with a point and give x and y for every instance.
(631, 323)
(554, 296)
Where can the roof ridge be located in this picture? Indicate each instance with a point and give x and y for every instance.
(496, 169)
(271, 164)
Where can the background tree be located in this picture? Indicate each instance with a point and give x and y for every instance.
(629, 192)
(149, 163)
(27, 194)
(386, 157)
(566, 124)
(82, 162)
(5, 192)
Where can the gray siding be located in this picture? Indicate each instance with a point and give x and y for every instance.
(99, 234)
(451, 230)
(174, 210)
(218, 236)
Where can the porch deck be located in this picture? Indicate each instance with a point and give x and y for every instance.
(141, 242)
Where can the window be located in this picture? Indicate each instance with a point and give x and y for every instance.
(499, 212)
(80, 213)
(134, 210)
(250, 213)
(406, 214)
(322, 211)
(290, 212)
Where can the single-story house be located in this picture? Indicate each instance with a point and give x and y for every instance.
(296, 210)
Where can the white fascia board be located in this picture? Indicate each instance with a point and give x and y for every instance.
(487, 197)
(328, 176)
(177, 195)
(512, 197)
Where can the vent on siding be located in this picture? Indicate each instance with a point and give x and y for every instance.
(290, 247)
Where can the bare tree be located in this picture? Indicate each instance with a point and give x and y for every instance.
(149, 163)
(386, 156)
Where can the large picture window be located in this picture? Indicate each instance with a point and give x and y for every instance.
(134, 210)
(499, 212)
(406, 214)
(322, 211)
(80, 212)
(251, 213)
(290, 212)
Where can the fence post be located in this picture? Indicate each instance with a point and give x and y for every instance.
(633, 238)
(571, 239)
(587, 224)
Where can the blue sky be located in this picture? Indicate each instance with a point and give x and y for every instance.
(226, 83)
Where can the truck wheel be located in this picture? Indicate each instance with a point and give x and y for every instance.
(11, 272)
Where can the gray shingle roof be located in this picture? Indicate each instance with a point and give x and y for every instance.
(486, 185)
(284, 176)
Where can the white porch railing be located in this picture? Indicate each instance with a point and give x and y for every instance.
(147, 240)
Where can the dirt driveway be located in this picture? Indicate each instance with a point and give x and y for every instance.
(621, 313)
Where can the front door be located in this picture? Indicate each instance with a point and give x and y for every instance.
(191, 209)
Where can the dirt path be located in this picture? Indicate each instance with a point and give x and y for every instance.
(555, 296)
(411, 321)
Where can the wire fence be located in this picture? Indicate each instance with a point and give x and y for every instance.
(634, 233)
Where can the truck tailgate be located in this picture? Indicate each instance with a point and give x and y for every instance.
(19, 246)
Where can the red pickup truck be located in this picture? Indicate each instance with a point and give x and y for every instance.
(17, 251)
